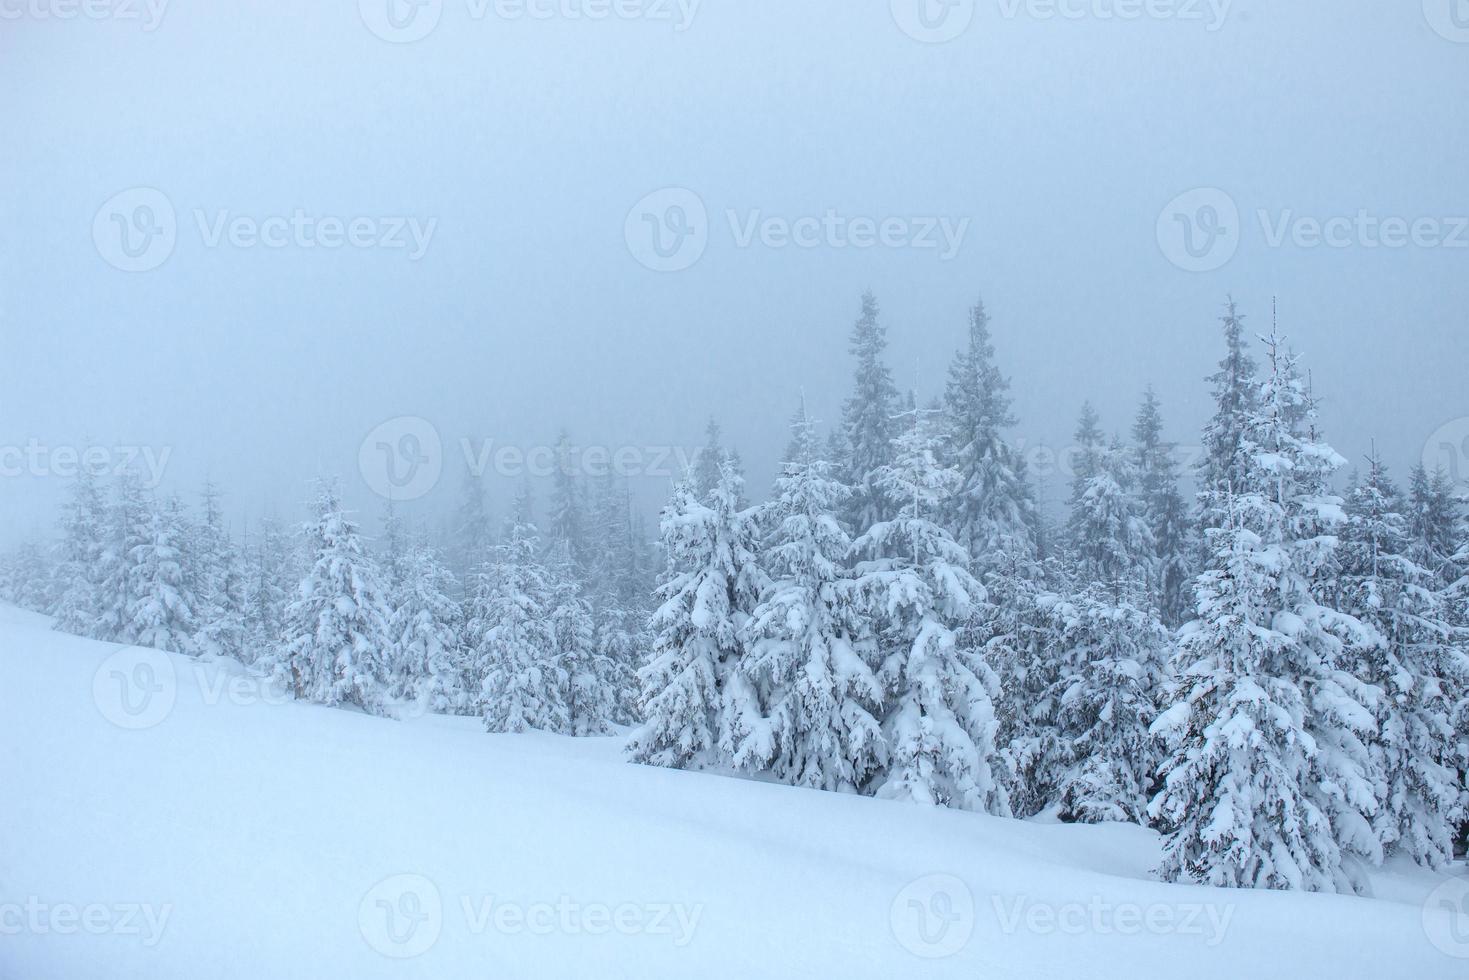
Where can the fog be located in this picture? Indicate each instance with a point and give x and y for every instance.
(241, 237)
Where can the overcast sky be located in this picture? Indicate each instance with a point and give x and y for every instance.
(493, 186)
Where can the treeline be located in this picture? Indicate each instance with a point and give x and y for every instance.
(1274, 674)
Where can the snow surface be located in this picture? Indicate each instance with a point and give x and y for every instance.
(236, 838)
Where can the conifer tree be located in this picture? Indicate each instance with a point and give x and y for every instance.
(428, 663)
(524, 684)
(218, 581)
(1162, 509)
(129, 527)
(811, 649)
(79, 559)
(992, 514)
(868, 419)
(336, 648)
(162, 608)
(690, 717)
(1418, 665)
(914, 581)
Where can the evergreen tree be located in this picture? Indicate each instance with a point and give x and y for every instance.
(524, 684)
(712, 584)
(1162, 509)
(1111, 542)
(810, 646)
(591, 682)
(1116, 657)
(914, 581)
(129, 529)
(568, 507)
(79, 559)
(868, 419)
(1235, 396)
(992, 514)
(336, 646)
(161, 605)
(26, 579)
(472, 537)
(1422, 672)
(708, 461)
(1267, 781)
(428, 661)
(268, 569)
(218, 581)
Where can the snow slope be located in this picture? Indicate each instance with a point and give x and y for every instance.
(211, 834)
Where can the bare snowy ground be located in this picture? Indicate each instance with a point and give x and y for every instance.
(160, 819)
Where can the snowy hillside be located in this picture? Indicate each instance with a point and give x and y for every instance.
(160, 821)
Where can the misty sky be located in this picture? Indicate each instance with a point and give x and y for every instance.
(521, 145)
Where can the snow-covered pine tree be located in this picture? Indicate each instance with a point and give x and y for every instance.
(619, 597)
(336, 647)
(129, 528)
(1267, 781)
(811, 649)
(268, 569)
(524, 684)
(26, 578)
(84, 531)
(1420, 668)
(219, 582)
(708, 460)
(472, 534)
(1111, 543)
(1163, 510)
(1116, 655)
(1235, 394)
(428, 663)
(690, 718)
(568, 518)
(992, 515)
(913, 580)
(162, 607)
(591, 677)
(868, 419)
